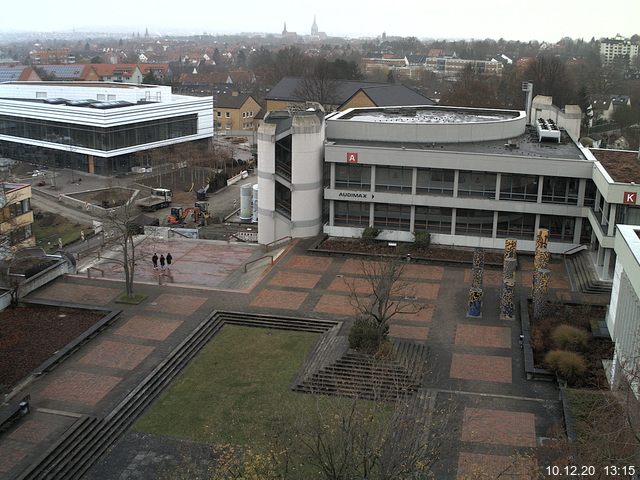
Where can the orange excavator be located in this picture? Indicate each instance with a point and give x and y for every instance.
(179, 215)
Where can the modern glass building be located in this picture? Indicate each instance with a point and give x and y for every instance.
(97, 127)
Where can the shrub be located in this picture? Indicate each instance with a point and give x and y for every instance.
(566, 337)
(369, 234)
(365, 336)
(422, 239)
(568, 365)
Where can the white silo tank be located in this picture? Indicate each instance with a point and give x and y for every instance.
(254, 218)
(245, 202)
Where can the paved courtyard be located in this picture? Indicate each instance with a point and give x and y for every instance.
(476, 363)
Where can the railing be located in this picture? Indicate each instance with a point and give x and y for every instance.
(94, 268)
(257, 260)
(573, 250)
(269, 245)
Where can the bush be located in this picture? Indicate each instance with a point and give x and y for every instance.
(365, 336)
(568, 365)
(369, 234)
(422, 239)
(566, 337)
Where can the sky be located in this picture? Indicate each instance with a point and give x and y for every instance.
(440, 19)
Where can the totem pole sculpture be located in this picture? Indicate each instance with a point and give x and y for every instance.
(541, 273)
(508, 280)
(475, 292)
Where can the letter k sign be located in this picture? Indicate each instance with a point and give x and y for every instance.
(630, 198)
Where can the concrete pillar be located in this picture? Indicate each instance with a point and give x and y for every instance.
(611, 229)
(577, 230)
(494, 230)
(371, 214)
(582, 187)
(453, 221)
(606, 260)
(540, 185)
(498, 180)
(412, 220)
(456, 178)
(90, 164)
(373, 178)
(332, 177)
(414, 182)
(332, 212)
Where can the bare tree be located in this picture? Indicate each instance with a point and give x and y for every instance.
(319, 85)
(382, 293)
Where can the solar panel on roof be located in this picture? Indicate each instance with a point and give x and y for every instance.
(56, 101)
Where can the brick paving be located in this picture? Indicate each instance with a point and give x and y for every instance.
(490, 277)
(295, 279)
(148, 327)
(82, 294)
(268, 298)
(407, 332)
(33, 431)
(486, 368)
(10, 456)
(427, 291)
(80, 387)
(483, 336)
(423, 316)
(336, 304)
(122, 356)
(478, 465)
(304, 262)
(500, 427)
(344, 284)
(422, 272)
(176, 304)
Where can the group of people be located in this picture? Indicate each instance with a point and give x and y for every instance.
(163, 260)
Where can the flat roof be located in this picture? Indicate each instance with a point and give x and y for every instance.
(78, 83)
(622, 165)
(427, 115)
(10, 187)
(526, 146)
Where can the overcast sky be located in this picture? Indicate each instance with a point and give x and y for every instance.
(511, 19)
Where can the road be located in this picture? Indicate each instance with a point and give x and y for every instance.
(44, 202)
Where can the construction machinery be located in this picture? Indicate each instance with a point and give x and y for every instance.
(159, 198)
(199, 214)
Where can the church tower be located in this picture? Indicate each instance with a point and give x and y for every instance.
(284, 30)
(314, 27)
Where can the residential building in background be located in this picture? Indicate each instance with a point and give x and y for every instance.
(16, 218)
(234, 114)
(18, 73)
(618, 47)
(98, 127)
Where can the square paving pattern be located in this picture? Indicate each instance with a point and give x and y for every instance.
(345, 284)
(148, 327)
(268, 298)
(194, 262)
(423, 316)
(335, 304)
(80, 387)
(481, 336)
(9, 457)
(295, 279)
(422, 272)
(487, 368)
(74, 293)
(176, 304)
(492, 278)
(500, 427)
(303, 262)
(124, 356)
(411, 333)
(477, 465)
(33, 431)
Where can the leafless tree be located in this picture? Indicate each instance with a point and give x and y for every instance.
(318, 84)
(382, 293)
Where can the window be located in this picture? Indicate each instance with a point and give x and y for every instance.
(244, 114)
(519, 187)
(392, 217)
(590, 194)
(219, 113)
(394, 179)
(356, 177)
(351, 214)
(227, 115)
(516, 225)
(560, 190)
(435, 181)
(560, 228)
(476, 184)
(474, 222)
(433, 219)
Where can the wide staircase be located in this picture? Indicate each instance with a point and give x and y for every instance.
(584, 275)
(336, 370)
(90, 437)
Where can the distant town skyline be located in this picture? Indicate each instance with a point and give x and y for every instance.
(456, 19)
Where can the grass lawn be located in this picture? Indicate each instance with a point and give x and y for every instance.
(236, 391)
(50, 226)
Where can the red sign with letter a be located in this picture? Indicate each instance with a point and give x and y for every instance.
(352, 157)
(630, 198)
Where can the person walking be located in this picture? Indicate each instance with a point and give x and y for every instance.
(161, 262)
(169, 259)
(154, 260)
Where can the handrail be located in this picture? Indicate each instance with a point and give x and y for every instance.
(257, 260)
(94, 268)
(574, 250)
(271, 244)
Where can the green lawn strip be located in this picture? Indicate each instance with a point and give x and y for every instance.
(69, 232)
(237, 390)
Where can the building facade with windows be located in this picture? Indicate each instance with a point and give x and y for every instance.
(16, 218)
(618, 47)
(97, 127)
(234, 114)
(469, 177)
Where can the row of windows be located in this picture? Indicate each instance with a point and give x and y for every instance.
(15, 209)
(472, 184)
(477, 223)
(19, 235)
(228, 114)
(98, 138)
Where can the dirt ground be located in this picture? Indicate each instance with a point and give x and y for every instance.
(31, 334)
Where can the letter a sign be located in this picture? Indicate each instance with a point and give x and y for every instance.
(630, 198)
(352, 157)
